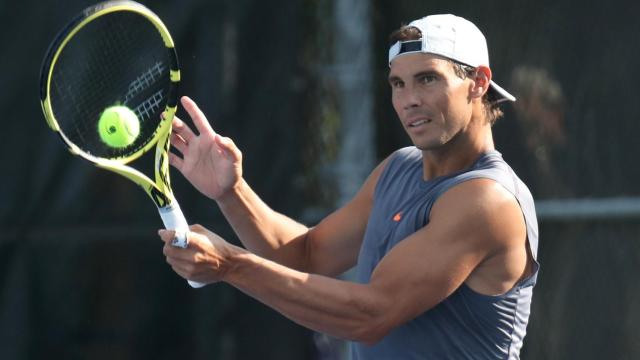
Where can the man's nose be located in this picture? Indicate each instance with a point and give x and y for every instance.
(411, 98)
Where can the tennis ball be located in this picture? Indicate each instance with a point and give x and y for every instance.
(118, 126)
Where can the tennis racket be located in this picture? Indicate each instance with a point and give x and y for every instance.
(117, 54)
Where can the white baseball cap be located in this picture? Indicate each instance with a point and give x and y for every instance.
(452, 37)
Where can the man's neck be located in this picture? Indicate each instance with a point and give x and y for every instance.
(458, 154)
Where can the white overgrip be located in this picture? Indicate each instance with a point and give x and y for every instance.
(173, 219)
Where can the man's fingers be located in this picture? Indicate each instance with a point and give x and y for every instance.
(166, 235)
(198, 117)
(197, 228)
(179, 143)
(180, 267)
(176, 161)
(181, 129)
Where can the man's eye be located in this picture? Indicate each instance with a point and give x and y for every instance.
(396, 84)
(425, 79)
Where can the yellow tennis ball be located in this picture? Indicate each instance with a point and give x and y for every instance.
(118, 126)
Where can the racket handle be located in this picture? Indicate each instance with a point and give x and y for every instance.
(173, 219)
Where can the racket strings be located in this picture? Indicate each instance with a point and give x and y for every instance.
(144, 81)
(85, 73)
(116, 59)
(151, 106)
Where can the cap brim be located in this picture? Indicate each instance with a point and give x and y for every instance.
(501, 94)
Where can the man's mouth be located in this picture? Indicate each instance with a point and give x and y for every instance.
(419, 122)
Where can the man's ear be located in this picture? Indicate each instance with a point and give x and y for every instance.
(481, 81)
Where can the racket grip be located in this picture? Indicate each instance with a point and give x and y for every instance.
(173, 219)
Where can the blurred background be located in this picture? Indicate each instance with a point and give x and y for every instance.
(301, 88)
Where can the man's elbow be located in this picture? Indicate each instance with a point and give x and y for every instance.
(371, 339)
(374, 317)
(371, 333)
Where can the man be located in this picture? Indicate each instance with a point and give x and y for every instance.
(443, 235)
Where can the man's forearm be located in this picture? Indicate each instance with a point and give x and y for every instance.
(262, 230)
(338, 308)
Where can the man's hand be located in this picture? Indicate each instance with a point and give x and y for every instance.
(206, 259)
(212, 163)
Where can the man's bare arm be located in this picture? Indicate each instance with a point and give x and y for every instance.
(213, 164)
(329, 248)
(467, 226)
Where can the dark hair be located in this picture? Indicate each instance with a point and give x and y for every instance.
(463, 71)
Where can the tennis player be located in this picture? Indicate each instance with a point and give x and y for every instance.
(443, 234)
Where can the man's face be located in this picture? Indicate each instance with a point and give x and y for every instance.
(432, 102)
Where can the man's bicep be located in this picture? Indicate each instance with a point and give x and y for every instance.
(428, 266)
(420, 272)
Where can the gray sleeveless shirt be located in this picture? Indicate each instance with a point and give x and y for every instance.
(466, 325)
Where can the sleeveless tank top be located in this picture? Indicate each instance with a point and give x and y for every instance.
(467, 324)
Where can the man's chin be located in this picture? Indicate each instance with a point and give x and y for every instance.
(429, 144)
(424, 147)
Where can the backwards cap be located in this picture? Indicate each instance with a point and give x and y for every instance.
(452, 37)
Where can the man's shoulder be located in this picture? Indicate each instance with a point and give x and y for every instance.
(403, 157)
(401, 165)
(408, 152)
(481, 204)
